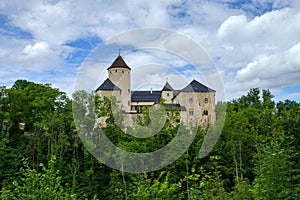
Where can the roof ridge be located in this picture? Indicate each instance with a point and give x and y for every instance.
(108, 85)
(167, 87)
(195, 86)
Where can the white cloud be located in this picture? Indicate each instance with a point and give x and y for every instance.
(250, 51)
(36, 49)
(293, 96)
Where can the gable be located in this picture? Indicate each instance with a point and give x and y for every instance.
(108, 85)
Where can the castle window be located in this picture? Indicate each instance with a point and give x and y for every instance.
(168, 94)
(128, 90)
(205, 100)
(191, 112)
(116, 70)
(191, 100)
(205, 112)
(132, 107)
(123, 72)
(129, 103)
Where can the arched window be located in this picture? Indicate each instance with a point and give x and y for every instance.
(205, 112)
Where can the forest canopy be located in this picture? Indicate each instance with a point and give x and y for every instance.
(42, 156)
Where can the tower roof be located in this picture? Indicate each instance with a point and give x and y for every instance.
(108, 85)
(167, 87)
(119, 63)
(195, 86)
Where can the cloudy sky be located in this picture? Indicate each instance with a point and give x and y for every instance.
(249, 43)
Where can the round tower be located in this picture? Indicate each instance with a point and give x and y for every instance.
(119, 74)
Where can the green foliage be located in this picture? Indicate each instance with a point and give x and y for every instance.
(211, 184)
(256, 156)
(242, 190)
(276, 175)
(157, 188)
(38, 185)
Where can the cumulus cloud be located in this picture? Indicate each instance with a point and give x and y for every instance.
(252, 44)
(39, 49)
(265, 50)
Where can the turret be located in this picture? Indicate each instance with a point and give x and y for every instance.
(167, 93)
(119, 74)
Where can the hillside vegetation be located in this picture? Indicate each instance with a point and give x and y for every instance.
(42, 156)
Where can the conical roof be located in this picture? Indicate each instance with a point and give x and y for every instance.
(119, 63)
(167, 87)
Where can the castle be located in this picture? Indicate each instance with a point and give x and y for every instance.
(195, 101)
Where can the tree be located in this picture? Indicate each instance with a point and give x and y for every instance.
(35, 185)
(276, 175)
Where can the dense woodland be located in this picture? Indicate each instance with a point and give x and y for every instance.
(42, 156)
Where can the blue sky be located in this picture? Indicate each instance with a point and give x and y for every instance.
(252, 43)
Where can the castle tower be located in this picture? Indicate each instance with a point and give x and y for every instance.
(167, 93)
(119, 74)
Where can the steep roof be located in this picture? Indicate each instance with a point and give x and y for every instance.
(108, 85)
(167, 87)
(195, 86)
(119, 63)
(146, 96)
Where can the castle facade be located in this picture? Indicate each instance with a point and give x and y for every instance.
(195, 101)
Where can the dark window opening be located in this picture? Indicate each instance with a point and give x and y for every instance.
(205, 100)
(205, 112)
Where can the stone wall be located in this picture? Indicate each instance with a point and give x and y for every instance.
(200, 107)
(121, 78)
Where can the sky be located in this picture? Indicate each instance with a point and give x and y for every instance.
(240, 44)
